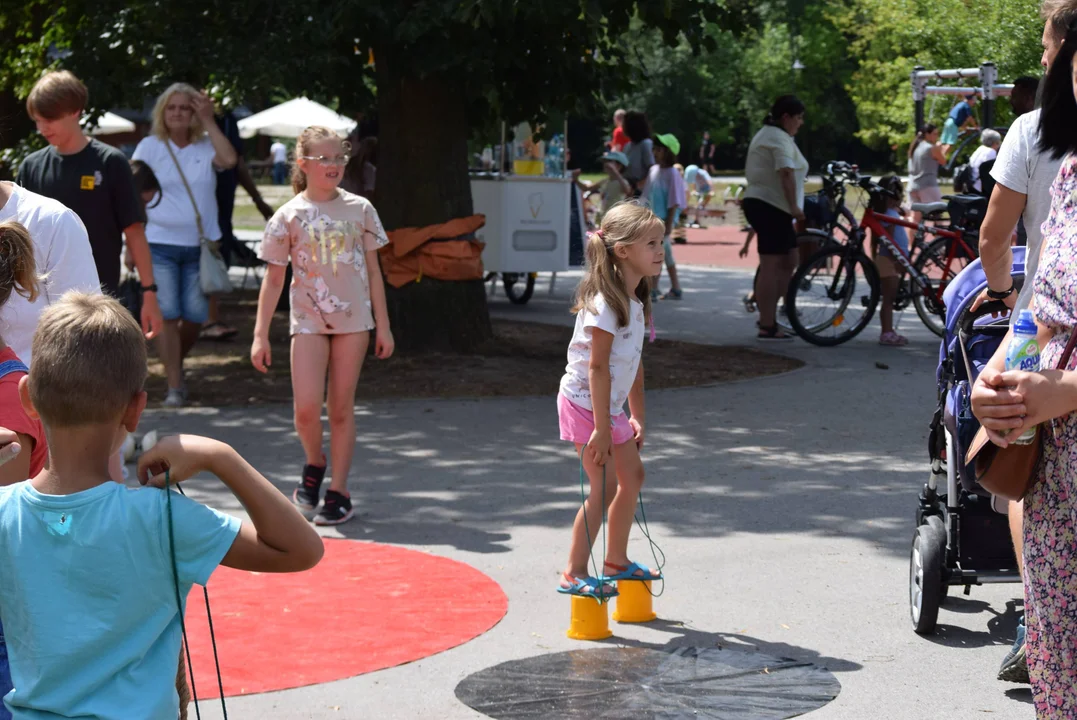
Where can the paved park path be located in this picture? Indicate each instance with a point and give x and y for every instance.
(785, 506)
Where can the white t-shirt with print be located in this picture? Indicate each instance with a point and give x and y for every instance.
(172, 220)
(624, 355)
(773, 149)
(280, 152)
(1023, 168)
(63, 255)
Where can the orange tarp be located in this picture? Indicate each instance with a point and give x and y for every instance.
(442, 252)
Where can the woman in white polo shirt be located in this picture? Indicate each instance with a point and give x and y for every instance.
(183, 136)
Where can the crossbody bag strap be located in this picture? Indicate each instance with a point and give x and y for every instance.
(197, 215)
(1064, 360)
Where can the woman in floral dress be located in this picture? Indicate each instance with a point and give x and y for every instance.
(1009, 402)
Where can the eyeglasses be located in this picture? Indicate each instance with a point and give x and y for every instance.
(324, 160)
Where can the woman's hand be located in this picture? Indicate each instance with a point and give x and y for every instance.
(261, 355)
(637, 432)
(600, 447)
(1045, 395)
(203, 108)
(999, 409)
(383, 343)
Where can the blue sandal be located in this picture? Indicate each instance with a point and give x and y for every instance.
(587, 587)
(629, 573)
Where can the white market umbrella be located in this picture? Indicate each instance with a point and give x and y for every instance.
(111, 124)
(291, 118)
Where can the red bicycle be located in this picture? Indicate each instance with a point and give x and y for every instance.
(823, 301)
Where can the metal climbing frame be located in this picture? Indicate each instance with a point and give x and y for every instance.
(989, 89)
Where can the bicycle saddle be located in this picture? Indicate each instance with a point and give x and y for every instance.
(929, 208)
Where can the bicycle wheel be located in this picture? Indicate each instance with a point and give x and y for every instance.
(932, 265)
(518, 295)
(825, 307)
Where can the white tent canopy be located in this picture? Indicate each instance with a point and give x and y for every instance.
(291, 118)
(110, 124)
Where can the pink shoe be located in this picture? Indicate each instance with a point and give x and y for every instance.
(892, 339)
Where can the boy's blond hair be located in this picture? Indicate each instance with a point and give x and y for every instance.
(57, 94)
(89, 361)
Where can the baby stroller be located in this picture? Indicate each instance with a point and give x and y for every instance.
(962, 533)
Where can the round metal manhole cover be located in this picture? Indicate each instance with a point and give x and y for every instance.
(642, 683)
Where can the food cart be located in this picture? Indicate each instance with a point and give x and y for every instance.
(533, 224)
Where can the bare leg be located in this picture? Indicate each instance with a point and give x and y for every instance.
(774, 274)
(346, 356)
(630, 478)
(886, 313)
(168, 347)
(1017, 530)
(189, 333)
(310, 360)
(674, 283)
(588, 523)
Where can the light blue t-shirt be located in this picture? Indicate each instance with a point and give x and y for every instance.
(897, 233)
(88, 600)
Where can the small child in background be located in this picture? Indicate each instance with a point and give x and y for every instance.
(664, 192)
(605, 369)
(704, 187)
(96, 574)
(889, 274)
(614, 188)
(149, 192)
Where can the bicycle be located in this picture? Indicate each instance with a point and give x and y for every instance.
(823, 289)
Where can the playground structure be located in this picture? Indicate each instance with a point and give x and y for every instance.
(988, 89)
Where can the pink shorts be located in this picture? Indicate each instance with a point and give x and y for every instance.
(577, 423)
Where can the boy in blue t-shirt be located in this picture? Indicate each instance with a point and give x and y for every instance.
(961, 118)
(88, 600)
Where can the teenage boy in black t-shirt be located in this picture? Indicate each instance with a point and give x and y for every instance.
(94, 180)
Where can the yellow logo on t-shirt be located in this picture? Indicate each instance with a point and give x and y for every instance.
(86, 183)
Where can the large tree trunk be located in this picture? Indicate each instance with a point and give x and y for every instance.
(423, 180)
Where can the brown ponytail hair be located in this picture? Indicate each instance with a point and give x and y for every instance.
(18, 272)
(311, 135)
(920, 135)
(626, 223)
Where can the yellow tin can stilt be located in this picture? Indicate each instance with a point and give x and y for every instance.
(634, 602)
(590, 619)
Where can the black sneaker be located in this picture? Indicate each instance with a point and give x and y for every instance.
(308, 491)
(336, 509)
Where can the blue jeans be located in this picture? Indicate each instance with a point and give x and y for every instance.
(280, 173)
(179, 290)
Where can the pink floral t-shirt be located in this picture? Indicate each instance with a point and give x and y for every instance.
(326, 244)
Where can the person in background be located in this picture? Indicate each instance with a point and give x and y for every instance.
(619, 140)
(889, 275)
(278, 153)
(1023, 174)
(990, 141)
(706, 152)
(925, 158)
(184, 150)
(704, 186)
(614, 188)
(232, 250)
(92, 179)
(1023, 96)
(664, 192)
(361, 173)
(639, 150)
(774, 199)
(961, 119)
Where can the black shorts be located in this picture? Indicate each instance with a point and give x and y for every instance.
(774, 227)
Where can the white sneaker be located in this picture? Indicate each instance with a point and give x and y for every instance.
(176, 398)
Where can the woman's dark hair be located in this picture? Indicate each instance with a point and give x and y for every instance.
(145, 181)
(1058, 122)
(636, 126)
(892, 184)
(920, 135)
(785, 105)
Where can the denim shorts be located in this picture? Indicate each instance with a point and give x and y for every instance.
(179, 291)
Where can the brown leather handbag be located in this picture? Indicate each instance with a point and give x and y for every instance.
(1010, 472)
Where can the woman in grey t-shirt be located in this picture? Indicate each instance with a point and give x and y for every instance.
(639, 150)
(925, 158)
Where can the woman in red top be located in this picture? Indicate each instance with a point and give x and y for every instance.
(18, 273)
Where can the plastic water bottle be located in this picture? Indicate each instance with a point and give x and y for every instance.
(1024, 354)
(555, 153)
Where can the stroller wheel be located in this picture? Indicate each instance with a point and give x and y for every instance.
(926, 588)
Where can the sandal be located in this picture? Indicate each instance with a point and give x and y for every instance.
(218, 331)
(673, 295)
(772, 334)
(629, 572)
(587, 587)
(892, 339)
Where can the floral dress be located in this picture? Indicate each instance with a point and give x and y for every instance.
(326, 244)
(1050, 515)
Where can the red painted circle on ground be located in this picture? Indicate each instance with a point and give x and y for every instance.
(365, 607)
